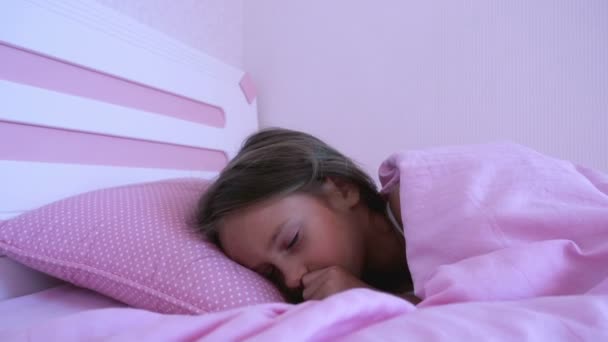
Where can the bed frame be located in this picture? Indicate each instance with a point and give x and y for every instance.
(90, 98)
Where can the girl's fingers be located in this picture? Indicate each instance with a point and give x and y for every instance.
(311, 277)
(313, 293)
(313, 282)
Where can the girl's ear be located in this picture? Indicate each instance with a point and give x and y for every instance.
(340, 193)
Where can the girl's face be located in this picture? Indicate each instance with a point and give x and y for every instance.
(286, 237)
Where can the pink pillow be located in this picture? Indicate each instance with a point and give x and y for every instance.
(133, 243)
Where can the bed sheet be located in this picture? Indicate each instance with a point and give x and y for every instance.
(18, 280)
(24, 311)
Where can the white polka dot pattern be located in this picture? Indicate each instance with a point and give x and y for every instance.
(133, 243)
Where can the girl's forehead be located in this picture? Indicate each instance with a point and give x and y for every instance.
(244, 234)
(275, 207)
(244, 244)
(255, 213)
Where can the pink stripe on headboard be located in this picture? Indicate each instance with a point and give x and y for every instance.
(34, 143)
(248, 88)
(18, 65)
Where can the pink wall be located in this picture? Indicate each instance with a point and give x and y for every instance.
(372, 77)
(212, 26)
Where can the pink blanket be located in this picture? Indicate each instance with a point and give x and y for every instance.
(500, 222)
(355, 315)
(502, 242)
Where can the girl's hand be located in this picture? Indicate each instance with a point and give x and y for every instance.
(325, 282)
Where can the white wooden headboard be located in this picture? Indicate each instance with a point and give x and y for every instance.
(89, 98)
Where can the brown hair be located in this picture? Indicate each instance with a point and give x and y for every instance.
(274, 162)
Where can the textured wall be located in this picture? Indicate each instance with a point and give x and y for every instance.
(372, 77)
(212, 26)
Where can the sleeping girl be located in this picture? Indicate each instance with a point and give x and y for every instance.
(302, 214)
(483, 222)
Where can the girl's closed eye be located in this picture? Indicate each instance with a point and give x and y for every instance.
(291, 237)
(294, 240)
